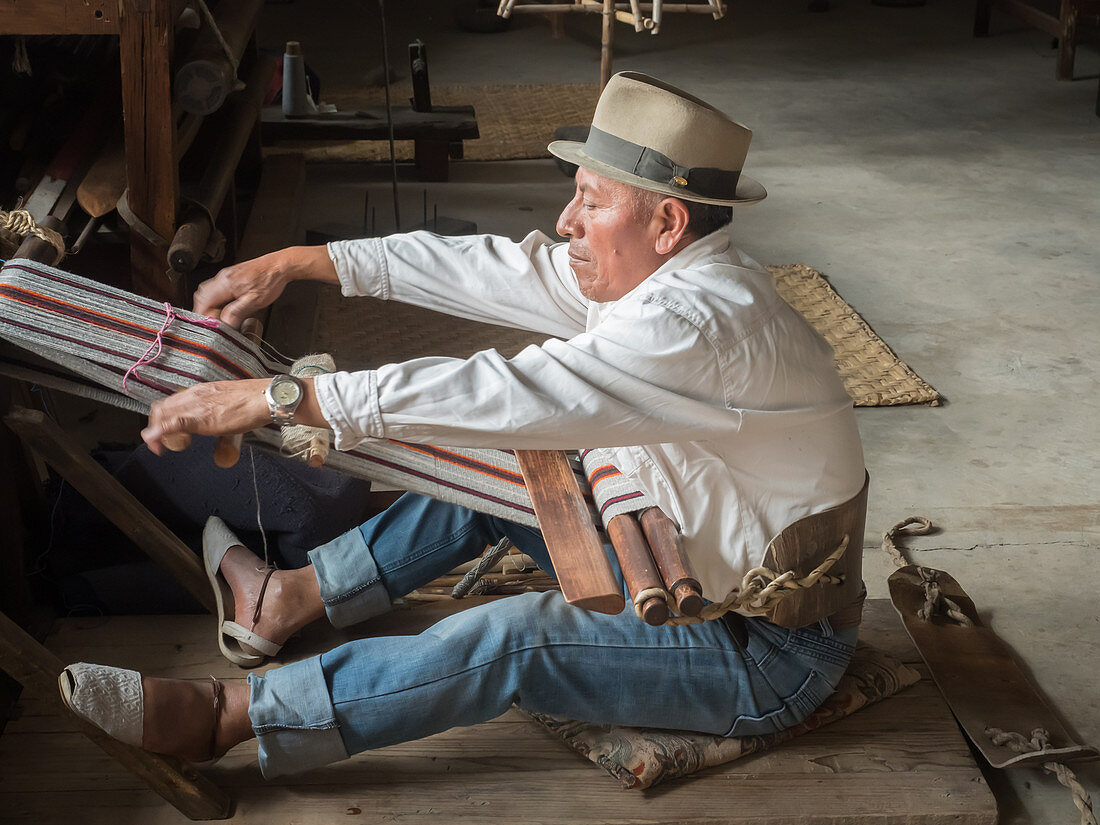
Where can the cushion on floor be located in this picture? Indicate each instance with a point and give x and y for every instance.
(641, 757)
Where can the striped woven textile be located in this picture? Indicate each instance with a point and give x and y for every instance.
(98, 332)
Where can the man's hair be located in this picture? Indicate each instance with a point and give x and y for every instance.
(703, 218)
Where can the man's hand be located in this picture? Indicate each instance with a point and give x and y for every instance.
(240, 291)
(216, 408)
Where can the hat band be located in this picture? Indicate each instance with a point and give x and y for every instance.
(650, 164)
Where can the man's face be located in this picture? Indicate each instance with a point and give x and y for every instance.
(611, 248)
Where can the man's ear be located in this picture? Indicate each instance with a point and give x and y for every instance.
(671, 223)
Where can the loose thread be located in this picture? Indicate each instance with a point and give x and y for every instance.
(158, 342)
(256, 491)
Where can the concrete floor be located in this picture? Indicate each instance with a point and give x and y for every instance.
(950, 189)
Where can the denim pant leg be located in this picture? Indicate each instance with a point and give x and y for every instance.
(536, 651)
(408, 545)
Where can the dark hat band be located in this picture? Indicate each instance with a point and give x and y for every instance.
(705, 181)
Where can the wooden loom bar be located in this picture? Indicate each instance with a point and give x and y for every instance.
(638, 567)
(175, 780)
(675, 567)
(593, 7)
(580, 563)
(35, 17)
(106, 494)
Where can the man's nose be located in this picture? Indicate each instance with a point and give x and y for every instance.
(567, 223)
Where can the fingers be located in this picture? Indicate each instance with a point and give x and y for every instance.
(213, 294)
(215, 408)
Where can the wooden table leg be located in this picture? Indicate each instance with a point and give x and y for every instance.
(982, 12)
(176, 780)
(607, 40)
(145, 43)
(1067, 40)
(107, 495)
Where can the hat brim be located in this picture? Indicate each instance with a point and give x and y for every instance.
(571, 151)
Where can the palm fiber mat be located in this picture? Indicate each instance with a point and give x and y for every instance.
(364, 333)
(515, 122)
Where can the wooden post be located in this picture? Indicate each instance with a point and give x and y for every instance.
(31, 664)
(107, 495)
(145, 45)
(580, 563)
(606, 41)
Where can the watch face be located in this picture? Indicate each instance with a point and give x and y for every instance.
(285, 393)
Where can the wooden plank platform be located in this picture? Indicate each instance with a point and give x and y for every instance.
(901, 761)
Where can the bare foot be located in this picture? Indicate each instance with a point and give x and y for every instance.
(290, 601)
(179, 717)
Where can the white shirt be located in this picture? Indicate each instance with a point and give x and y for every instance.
(719, 400)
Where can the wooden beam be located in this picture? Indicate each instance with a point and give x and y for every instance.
(107, 495)
(59, 17)
(30, 663)
(145, 45)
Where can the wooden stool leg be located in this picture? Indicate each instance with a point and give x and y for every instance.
(195, 796)
(108, 496)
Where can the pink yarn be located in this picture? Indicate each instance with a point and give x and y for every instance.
(158, 342)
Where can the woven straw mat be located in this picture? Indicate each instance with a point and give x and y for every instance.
(514, 121)
(364, 333)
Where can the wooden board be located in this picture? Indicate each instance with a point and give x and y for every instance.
(902, 761)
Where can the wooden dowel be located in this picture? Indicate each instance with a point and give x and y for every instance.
(607, 41)
(189, 242)
(639, 569)
(34, 248)
(676, 570)
(208, 75)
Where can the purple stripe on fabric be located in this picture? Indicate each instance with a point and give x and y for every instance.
(427, 477)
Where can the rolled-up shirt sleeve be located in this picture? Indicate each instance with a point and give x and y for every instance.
(527, 285)
(605, 387)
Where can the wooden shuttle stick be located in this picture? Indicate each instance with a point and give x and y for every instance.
(639, 568)
(676, 570)
(580, 564)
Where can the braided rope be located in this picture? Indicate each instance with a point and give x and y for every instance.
(935, 602)
(17, 224)
(761, 589)
(1040, 741)
(469, 583)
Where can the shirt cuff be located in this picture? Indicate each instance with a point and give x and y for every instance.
(349, 403)
(361, 267)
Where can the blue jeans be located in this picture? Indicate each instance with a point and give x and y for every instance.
(532, 650)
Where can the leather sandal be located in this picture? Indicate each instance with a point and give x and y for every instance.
(217, 538)
(113, 699)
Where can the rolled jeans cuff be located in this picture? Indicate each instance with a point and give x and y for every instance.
(347, 574)
(292, 715)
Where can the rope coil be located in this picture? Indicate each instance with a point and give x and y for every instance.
(762, 588)
(935, 602)
(17, 225)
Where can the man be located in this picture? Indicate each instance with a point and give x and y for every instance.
(673, 349)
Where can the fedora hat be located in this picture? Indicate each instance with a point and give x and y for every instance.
(657, 137)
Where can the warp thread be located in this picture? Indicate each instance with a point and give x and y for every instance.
(300, 441)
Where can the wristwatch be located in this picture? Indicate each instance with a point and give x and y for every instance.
(284, 394)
